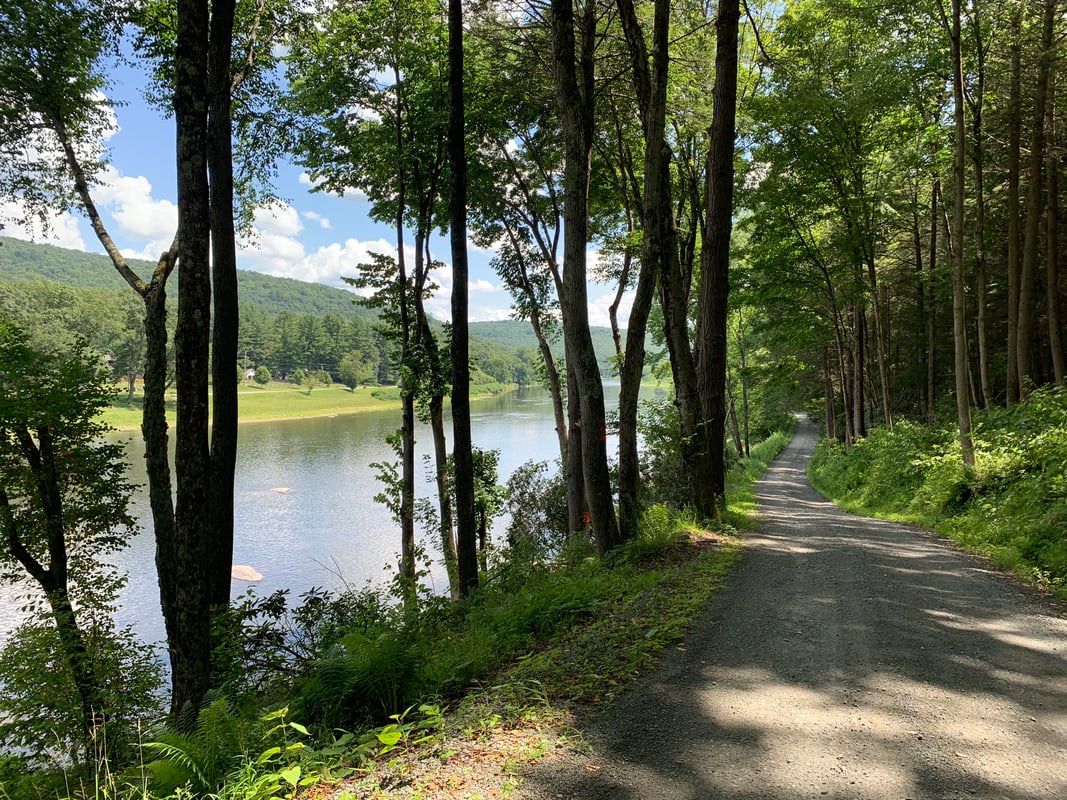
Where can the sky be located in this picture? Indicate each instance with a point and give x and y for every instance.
(311, 237)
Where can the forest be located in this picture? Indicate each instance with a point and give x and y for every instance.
(835, 206)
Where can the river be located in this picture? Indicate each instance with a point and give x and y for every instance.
(304, 504)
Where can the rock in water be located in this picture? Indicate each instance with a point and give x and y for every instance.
(241, 572)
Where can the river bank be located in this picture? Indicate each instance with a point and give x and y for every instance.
(279, 401)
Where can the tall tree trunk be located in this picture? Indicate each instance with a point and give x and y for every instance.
(190, 648)
(715, 250)
(1052, 242)
(980, 265)
(224, 298)
(859, 364)
(577, 508)
(742, 349)
(931, 307)
(629, 389)
(154, 406)
(574, 94)
(959, 299)
(829, 398)
(1024, 343)
(1013, 392)
(467, 557)
(661, 246)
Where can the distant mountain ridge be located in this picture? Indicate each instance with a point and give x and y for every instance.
(26, 261)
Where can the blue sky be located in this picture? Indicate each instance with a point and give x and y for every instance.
(312, 237)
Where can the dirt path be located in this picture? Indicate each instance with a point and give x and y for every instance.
(846, 658)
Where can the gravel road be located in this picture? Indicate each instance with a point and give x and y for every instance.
(845, 658)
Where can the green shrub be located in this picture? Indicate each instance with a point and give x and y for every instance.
(1012, 506)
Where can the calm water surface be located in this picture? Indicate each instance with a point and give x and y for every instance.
(304, 500)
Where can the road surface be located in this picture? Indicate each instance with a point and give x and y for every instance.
(845, 658)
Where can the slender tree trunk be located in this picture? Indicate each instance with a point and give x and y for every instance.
(154, 407)
(980, 265)
(577, 508)
(931, 307)
(829, 397)
(859, 363)
(715, 250)
(1013, 391)
(574, 93)
(461, 411)
(661, 248)
(190, 649)
(1024, 343)
(53, 579)
(959, 299)
(224, 298)
(742, 350)
(1052, 243)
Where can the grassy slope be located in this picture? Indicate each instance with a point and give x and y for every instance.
(1012, 507)
(285, 401)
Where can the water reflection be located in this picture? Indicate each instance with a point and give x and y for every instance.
(304, 499)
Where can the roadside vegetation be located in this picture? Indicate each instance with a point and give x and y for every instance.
(361, 687)
(1011, 506)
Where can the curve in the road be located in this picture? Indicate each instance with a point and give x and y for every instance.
(846, 658)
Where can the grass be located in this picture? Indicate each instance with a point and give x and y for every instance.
(279, 400)
(1011, 507)
(539, 645)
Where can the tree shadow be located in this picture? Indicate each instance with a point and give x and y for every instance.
(845, 658)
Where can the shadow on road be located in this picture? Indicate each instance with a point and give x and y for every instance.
(846, 658)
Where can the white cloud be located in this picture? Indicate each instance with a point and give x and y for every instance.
(324, 222)
(348, 194)
(137, 215)
(276, 249)
(599, 305)
(279, 218)
(60, 228)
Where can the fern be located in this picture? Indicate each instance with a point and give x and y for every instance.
(201, 758)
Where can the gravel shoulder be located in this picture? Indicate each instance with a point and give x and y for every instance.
(845, 658)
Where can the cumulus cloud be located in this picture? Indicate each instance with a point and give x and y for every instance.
(138, 216)
(324, 222)
(276, 249)
(348, 194)
(600, 302)
(59, 228)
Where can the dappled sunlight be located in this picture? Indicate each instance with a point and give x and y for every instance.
(848, 658)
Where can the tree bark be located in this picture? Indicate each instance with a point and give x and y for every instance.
(1024, 342)
(980, 265)
(574, 94)
(226, 315)
(461, 419)
(1052, 243)
(1013, 392)
(190, 647)
(959, 299)
(715, 252)
(931, 307)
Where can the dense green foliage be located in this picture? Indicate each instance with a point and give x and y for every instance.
(1010, 507)
(367, 675)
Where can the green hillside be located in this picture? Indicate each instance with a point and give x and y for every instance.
(24, 261)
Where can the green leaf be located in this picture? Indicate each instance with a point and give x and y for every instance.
(291, 775)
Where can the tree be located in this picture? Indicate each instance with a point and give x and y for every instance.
(352, 371)
(63, 499)
(573, 39)
(715, 255)
(263, 376)
(466, 552)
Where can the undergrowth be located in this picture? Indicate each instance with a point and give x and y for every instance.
(1011, 507)
(547, 631)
